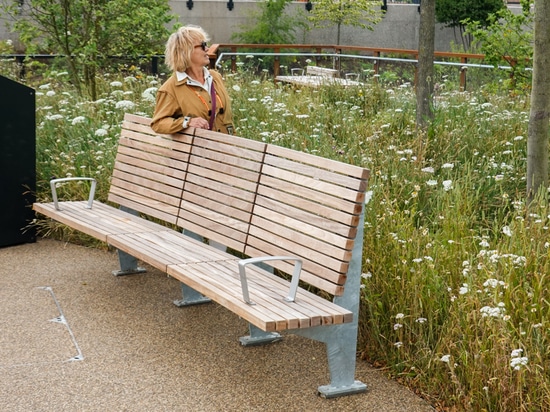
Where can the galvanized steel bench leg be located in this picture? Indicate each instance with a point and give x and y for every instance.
(258, 337)
(128, 263)
(341, 340)
(341, 353)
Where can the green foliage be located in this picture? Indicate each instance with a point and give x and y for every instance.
(452, 12)
(270, 25)
(507, 39)
(87, 32)
(356, 13)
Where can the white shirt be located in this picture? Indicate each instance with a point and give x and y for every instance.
(192, 82)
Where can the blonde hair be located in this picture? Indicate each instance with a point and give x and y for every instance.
(180, 45)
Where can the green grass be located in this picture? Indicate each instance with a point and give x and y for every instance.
(455, 290)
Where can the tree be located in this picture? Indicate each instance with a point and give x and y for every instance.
(87, 32)
(537, 142)
(507, 39)
(426, 46)
(357, 13)
(271, 25)
(453, 13)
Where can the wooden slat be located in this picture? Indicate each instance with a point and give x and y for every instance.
(100, 221)
(165, 194)
(220, 188)
(160, 164)
(311, 187)
(340, 169)
(220, 281)
(149, 170)
(195, 276)
(163, 248)
(149, 208)
(327, 267)
(150, 180)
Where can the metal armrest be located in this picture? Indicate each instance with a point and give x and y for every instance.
(293, 283)
(54, 182)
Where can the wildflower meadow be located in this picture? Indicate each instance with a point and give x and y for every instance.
(455, 299)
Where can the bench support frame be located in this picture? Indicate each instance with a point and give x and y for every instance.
(128, 263)
(341, 340)
(190, 297)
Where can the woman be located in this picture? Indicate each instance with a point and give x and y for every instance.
(193, 96)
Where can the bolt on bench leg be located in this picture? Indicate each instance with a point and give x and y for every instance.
(259, 337)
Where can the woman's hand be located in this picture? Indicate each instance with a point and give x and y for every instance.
(199, 123)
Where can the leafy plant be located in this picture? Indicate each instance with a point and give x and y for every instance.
(507, 39)
(356, 13)
(453, 13)
(86, 32)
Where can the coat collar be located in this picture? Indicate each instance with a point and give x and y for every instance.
(183, 78)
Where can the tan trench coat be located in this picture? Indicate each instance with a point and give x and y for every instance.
(177, 99)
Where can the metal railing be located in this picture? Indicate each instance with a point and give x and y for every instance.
(219, 52)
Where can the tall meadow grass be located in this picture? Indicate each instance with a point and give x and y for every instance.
(456, 266)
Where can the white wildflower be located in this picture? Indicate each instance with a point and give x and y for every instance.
(78, 119)
(125, 105)
(447, 185)
(507, 231)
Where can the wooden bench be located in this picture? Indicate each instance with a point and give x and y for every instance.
(290, 219)
(316, 76)
(321, 71)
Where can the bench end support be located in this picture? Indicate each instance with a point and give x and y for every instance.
(329, 391)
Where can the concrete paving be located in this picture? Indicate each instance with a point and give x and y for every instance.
(73, 337)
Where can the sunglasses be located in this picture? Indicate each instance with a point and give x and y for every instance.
(203, 45)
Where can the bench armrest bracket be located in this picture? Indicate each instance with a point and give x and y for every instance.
(293, 283)
(54, 182)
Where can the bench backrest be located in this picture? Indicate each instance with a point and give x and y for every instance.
(321, 71)
(256, 198)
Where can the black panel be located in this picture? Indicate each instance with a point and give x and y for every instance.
(17, 162)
